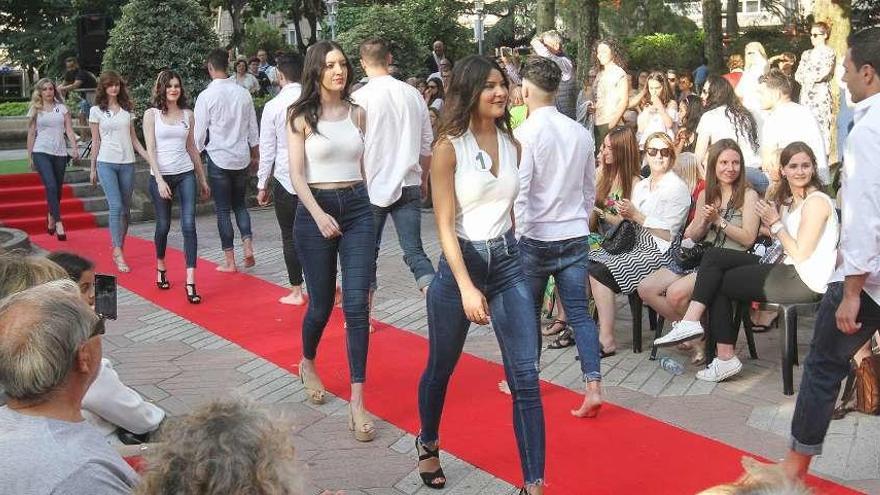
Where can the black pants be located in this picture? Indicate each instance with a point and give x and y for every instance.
(285, 212)
(727, 275)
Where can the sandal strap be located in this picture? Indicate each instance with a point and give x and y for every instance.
(429, 453)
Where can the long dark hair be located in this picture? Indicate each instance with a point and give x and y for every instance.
(783, 194)
(463, 96)
(713, 187)
(309, 103)
(625, 150)
(665, 90)
(439, 94)
(161, 85)
(721, 93)
(694, 112)
(110, 78)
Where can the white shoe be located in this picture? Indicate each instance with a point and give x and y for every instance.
(681, 331)
(720, 370)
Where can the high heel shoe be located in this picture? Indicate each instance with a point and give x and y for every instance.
(162, 283)
(314, 387)
(363, 428)
(191, 295)
(429, 477)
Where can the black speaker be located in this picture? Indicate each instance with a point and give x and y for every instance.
(92, 31)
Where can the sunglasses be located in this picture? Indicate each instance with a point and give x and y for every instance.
(664, 152)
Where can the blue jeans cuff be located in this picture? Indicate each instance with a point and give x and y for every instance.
(424, 280)
(805, 449)
(594, 376)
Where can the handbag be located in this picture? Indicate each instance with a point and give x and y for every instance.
(688, 258)
(622, 239)
(862, 390)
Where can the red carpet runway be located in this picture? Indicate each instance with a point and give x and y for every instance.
(23, 205)
(620, 452)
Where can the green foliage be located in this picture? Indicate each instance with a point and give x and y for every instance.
(642, 17)
(774, 41)
(38, 34)
(665, 51)
(157, 34)
(13, 109)
(260, 34)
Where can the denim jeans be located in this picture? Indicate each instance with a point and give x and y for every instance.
(758, 180)
(494, 267)
(228, 188)
(407, 215)
(285, 212)
(183, 188)
(350, 206)
(826, 366)
(567, 261)
(51, 171)
(117, 180)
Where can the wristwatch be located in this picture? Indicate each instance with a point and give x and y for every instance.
(776, 227)
(722, 225)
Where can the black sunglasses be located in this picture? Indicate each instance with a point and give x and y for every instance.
(664, 152)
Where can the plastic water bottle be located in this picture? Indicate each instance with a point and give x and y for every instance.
(671, 365)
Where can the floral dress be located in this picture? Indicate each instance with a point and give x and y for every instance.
(814, 72)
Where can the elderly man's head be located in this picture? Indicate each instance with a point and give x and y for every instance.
(50, 344)
(439, 48)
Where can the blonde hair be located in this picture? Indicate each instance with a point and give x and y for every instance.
(758, 46)
(18, 272)
(687, 167)
(36, 104)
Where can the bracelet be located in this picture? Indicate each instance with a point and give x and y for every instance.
(723, 225)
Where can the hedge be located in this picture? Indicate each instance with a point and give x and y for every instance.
(14, 109)
(665, 51)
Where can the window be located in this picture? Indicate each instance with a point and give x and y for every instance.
(749, 6)
(11, 84)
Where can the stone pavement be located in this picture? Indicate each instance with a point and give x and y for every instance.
(179, 365)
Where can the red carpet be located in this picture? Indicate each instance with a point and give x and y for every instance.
(621, 452)
(23, 205)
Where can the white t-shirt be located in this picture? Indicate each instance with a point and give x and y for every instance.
(717, 126)
(115, 132)
(50, 130)
(790, 122)
(607, 98)
(248, 82)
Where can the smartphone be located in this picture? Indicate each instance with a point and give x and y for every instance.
(105, 296)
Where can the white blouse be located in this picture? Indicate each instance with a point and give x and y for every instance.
(665, 207)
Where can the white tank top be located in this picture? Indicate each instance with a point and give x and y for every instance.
(334, 153)
(171, 155)
(483, 200)
(816, 270)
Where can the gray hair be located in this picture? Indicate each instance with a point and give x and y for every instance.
(553, 37)
(41, 329)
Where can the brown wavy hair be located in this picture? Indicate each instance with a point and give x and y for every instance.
(110, 78)
(463, 96)
(625, 150)
(783, 194)
(665, 90)
(713, 186)
(162, 81)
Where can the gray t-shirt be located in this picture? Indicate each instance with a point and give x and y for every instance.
(45, 456)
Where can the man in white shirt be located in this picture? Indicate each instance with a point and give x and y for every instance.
(273, 162)
(557, 191)
(786, 123)
(850, 310)
(226, 129)
(397, 156)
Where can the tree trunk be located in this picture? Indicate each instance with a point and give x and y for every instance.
(732, 27)
(585, 20)
(237, 27)
(837, 14)
(712, 45)
(545, 16)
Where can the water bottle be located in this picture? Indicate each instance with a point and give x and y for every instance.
(671, 365)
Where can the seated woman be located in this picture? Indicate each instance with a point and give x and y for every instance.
(725, 217)
(658, 111)
(803, 220)
(659, 207)
(690, 109)
(617, 171)
(691, 172)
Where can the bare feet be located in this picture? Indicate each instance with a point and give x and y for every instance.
(249, 253)
(227, 268)
(295, 298)
(592, 403)
(503, 387)
(337, 300)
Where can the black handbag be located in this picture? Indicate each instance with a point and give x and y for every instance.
(622, 239)
(688, 258)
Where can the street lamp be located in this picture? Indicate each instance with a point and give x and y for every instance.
(479, 6)
(332, 11)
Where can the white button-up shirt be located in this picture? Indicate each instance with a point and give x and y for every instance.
(665, 206)
(859, 250)
(226, 111)
(398, 133)
(273, 138)
(557, 177)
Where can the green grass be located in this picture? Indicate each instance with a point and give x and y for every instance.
(14, 166)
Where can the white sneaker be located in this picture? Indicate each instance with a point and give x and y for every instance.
(681, 331)
(720, 370)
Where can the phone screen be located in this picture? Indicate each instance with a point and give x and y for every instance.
(105, 296)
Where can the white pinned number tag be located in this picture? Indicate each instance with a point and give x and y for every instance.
(483, 161)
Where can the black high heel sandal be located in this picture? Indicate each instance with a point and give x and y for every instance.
(428, 478)
(191, 295)
(162, 283)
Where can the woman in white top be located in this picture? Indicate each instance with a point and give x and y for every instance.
(433, 93)
(755, 67)
(244, 78)
(475, 182)
(803, 220)
(114, 142)
(175, 166)
(333, 219)
(658, 111)
(659, 208)
(48, 122)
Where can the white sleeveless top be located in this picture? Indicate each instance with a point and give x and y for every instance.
(484, 201)
(334, 153)
(816, 270)
(49, 138)
(171, 155)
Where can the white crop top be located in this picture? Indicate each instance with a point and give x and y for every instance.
(171, 155)
(484, 201)
(333, 154)
(816, 270)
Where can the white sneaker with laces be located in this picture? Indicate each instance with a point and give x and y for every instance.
(720, 370)
(681, 331)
